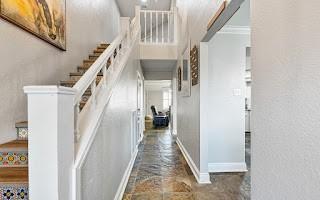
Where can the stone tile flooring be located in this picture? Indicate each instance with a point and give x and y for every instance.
(160, 172)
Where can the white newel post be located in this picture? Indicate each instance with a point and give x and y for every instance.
(51, 141)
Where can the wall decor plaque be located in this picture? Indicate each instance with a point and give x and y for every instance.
(194, 62)
(179, 79)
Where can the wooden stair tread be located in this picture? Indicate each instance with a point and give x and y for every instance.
(104, 45)
(15, 144)
(22, 124)
(81, 74)
(14, 174)
(99, 51)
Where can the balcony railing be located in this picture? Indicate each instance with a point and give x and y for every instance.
(158, 27)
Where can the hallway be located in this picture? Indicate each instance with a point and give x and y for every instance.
(161, 172)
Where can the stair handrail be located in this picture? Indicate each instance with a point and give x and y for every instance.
(106, 64)
(88, 119)
(102, 62)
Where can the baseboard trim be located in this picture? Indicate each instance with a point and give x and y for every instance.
(227, 167)
(202, 178)
(125, 178)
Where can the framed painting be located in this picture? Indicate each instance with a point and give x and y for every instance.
(45, 19)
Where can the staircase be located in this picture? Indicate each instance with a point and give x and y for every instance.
(14, 166)
(14, 154)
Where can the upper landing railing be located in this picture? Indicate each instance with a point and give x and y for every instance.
(158, 27)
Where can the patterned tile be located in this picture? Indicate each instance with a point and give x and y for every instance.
(11, 159)
(22, 133)
(14, 191)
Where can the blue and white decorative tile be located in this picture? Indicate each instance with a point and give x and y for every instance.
(22, 193)
(14, 192)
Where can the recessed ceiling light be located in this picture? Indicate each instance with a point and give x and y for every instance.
(144, 1)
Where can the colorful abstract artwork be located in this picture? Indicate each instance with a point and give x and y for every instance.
(43, 18)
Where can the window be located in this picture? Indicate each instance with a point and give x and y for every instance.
(166, 99)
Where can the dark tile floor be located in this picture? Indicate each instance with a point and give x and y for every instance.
(161, 173)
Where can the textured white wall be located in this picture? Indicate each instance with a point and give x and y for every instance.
(27, 60)
(285, 71)
(194, 17)
(226, 111)
(110, 153)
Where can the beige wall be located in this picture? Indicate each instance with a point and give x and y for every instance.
(27, 60)
(285, 99)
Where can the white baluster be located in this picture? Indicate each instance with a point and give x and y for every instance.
(76, 122)
(162, 27)
(111, 63)
(93, 94)
(157, 35)
(104, 73)
(145, 26)
(150, 26)
(168, 27)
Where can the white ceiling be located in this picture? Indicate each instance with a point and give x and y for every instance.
(127, 7)
(158, 65)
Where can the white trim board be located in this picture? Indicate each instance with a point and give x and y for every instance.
(202, 178)
(227, 167)
(126, 176)
(240, 30)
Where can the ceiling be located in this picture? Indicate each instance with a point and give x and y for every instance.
(127, 7)
(158, 65)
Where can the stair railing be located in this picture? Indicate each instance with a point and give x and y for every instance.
(158, 27)
(54, 114)
(107, 64)
(87, 120)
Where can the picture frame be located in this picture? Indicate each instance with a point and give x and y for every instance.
(194, 62)
(45, 19)
(186, 71)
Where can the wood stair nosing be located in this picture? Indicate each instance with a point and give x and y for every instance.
(15, 144)
(81, 74)
(14, 175)
(23, 124)
(104, 45)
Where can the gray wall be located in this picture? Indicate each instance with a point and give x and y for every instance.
(286, 107)
(226, 110)
(111, 151)
(27, 60)
(194, 16)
